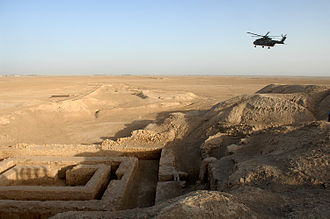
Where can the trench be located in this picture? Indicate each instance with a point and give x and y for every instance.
(143, 192)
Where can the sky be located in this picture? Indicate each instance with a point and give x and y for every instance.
(169, 37)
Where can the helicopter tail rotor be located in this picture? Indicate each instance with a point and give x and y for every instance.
(283, 38)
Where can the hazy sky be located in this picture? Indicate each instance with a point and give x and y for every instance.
(163, 37)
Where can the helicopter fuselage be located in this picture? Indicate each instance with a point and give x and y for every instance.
(268, 42)
(264, 42)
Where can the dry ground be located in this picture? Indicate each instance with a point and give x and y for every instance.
(89, 109)
(261, 146)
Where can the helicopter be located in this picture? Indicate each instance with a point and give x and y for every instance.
(266, 40)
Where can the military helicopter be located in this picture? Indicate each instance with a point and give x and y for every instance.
(266, 40)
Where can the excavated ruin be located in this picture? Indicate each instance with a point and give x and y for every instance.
(263, 155)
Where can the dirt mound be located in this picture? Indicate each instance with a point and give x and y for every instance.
(65, 107)
(283, 162)
(156, 134)
(274, 105)
(261, 110)
(269, 150)
(314, 98)
(84, 116)
(199, 204)
(293, 155)
(288, 89)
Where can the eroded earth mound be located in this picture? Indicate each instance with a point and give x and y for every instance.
(199, 204)
(263, 155)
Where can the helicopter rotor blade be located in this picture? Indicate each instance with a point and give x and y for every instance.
(267, 33)
(255, 34)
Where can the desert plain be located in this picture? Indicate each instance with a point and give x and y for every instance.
(164, 146)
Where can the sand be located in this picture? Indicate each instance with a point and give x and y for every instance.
(254, 146)
(89, 109)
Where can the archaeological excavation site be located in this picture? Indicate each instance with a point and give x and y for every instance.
(259, 155)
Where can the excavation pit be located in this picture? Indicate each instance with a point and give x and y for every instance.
(39, 187)
(30, 175)
(16, 183)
